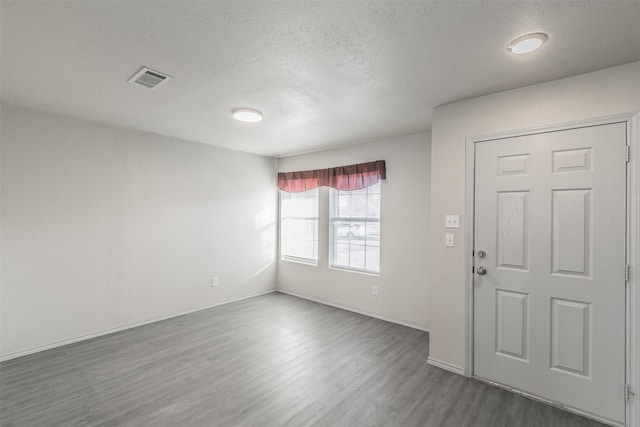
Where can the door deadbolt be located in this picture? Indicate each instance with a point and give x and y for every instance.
(482, 254)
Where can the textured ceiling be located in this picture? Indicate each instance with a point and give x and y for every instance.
(323, 73)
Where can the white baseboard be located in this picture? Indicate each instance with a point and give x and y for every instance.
(355, 310)
(446, 366)
(123, 328)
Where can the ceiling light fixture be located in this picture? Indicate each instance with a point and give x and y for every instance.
(527, 43)
(247, 115)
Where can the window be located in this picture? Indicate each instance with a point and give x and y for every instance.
(355, 229)
(354, 217)
(299, 226)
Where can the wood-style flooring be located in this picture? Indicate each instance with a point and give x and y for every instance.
(273, 360)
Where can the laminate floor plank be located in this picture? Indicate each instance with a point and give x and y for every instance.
(273, 360)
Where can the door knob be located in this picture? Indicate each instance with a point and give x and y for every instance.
(482, 271)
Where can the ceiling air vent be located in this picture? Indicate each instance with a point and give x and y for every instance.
(149, 78)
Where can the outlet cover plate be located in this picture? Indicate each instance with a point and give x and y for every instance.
(452, 221)
(449, 240)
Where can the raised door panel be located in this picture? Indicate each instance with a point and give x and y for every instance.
(572, 231)
(572, 160)
(570, 336)
(512, 229)
(512, 324)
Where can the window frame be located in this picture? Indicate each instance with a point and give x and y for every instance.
(334, 196)
(283, 218)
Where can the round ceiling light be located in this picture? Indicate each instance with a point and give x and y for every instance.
(527, 43)
(247, 115)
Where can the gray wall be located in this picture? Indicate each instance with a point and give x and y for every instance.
(404, 220)
(103, 228)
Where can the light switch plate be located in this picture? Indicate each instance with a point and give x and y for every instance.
(449, 240)
(452, 221)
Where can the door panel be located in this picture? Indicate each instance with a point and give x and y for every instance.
(549, 315)
(512, 327)
(570, 336)
(512, 229)
(572, 231)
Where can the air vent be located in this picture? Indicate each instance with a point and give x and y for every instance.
(149, 78)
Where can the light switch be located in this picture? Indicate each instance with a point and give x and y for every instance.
(449, 240)
(452, 221)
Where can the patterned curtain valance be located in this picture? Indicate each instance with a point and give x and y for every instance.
(352, 177)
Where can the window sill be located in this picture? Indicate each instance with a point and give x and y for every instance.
(349, 270)
(303, 261)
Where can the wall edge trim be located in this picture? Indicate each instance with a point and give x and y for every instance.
(446, 366)
(355, 310)
(46, 347)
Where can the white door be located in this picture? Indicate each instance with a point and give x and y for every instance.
(549, 312)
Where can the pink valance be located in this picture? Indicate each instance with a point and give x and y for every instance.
(352, 177)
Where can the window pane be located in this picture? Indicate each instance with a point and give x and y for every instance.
(300, 204)
(342, 253)
(357, 254)
(373, 206)
(300, 236)
(299, 225)
(359, 206)
(373, 233)
(373, 258)
(344, 200)
(355, 229)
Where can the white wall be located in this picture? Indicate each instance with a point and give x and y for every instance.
(103, 228)
(594, 95)
(404, 235)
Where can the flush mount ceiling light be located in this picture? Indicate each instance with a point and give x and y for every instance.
(527, 43)
(247, 115)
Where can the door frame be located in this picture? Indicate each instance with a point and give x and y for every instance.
(632, 368)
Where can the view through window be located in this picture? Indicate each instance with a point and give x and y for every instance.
(355, 229)
(299, 226)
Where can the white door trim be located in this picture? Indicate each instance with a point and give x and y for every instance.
(633, 245)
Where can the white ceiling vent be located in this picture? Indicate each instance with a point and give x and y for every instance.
(149, 78)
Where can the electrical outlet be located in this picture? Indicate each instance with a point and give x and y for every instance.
(452, 221)
(375, 290)
(214, 282)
